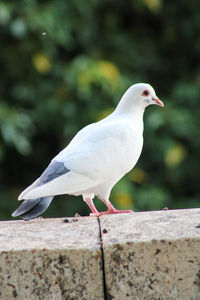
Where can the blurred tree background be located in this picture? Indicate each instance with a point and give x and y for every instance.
(65, 64)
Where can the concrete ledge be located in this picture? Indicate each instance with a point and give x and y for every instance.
(48, 259)
(152, 255)
(149, 255)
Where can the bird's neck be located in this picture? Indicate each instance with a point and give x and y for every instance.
(133, 112)
(129, 104)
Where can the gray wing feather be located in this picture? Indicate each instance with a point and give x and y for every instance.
(54, 170)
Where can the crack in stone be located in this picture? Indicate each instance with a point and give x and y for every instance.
(102, 260)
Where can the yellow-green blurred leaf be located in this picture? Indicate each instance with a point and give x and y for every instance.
(90, 71)
(154, 5)
(41, 63)
(124, 200)
(109, 70)
(138, 175)
(175, 155)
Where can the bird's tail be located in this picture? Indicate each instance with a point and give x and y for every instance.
(32, 208)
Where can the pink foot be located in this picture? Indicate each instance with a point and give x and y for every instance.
(111, 208)
(94, 214)
(110, 212)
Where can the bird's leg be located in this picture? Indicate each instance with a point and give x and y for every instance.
(91, 205)
(112, 209)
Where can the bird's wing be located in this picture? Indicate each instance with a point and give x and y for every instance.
(83, 134)
(30, 187)
(101, 154)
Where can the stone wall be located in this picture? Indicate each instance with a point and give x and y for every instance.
(147, 255)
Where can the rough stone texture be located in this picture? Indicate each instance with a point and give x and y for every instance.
(149, 255)
(49, 259)
(152, 255)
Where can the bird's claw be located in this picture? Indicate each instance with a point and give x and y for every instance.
(94, 214)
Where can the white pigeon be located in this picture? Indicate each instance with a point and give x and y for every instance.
(96, 159)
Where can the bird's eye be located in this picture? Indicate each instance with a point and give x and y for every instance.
(145, 93)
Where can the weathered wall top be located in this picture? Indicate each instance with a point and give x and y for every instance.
(153, 255)
(147, 255)
(76, 233)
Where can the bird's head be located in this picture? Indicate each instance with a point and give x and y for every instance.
(143, 94)
(139, 95)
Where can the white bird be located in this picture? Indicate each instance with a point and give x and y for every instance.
(96, 159)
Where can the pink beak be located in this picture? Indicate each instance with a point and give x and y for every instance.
(158, 101)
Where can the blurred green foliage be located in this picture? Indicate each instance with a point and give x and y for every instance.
(65, 64)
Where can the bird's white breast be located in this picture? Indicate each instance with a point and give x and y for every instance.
(131, 147)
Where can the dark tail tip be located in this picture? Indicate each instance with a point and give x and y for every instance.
(32, 208)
